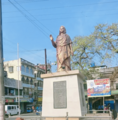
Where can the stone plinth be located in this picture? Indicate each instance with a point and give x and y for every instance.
(63, 92)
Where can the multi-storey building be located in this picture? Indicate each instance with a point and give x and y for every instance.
(24, 71)
(11, 91)
(100, 72)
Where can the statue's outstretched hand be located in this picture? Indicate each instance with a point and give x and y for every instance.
(51, 38)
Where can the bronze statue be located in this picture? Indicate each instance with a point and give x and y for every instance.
(63, 45)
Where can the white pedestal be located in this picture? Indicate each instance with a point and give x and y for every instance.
(72, 89)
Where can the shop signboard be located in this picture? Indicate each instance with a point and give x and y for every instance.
(39, 99)
(9, 100)
(98, 87)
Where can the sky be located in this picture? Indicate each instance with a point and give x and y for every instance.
(28, 24)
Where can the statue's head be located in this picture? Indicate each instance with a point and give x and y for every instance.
(62, 30)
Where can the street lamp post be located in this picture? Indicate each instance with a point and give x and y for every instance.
(2, 106)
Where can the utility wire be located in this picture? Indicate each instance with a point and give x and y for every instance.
(66, 18)
(24, 49)
(6, 3)
(62, 13)
(33, 17)
(72, 6)
(30, 20)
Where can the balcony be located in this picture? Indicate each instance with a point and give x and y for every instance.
(39, 79)
(26, 96)
(27, 74)
(9, 95)
(28, 85)
(40, 88)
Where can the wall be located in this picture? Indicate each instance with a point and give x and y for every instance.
(13, 63)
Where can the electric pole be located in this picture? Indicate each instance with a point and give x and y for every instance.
(45, 61)
(2, 98)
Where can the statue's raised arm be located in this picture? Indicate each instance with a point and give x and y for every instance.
(53, 43)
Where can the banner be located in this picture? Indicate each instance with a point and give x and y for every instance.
(9, 100)
(98, 88)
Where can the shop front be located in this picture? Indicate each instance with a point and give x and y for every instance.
(9, 101)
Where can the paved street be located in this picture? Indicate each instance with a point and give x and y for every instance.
(26, 115)
(33, 116)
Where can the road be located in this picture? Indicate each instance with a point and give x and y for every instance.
(32, 116)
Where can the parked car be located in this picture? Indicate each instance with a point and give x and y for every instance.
(29, 108)
(12, 109)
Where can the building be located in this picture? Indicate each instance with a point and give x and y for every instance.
(11, 91)
(42, 66)
(38, 84)
(99, 72)
(25, 72)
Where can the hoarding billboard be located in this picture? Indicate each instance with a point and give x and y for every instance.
(98, 87)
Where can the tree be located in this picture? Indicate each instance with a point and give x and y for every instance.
(99, 46)
(85, 51)
(107, 37)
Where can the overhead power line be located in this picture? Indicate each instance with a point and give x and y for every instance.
(70, 6)
(62, 13)
(66, 18)
(6, 3)
(44, 33)
(33, 17)
(27, 51)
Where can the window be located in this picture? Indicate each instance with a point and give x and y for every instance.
(27, 80)
(23, 68)
(12, 107)
(31, 70)
(9, 107)
(23, 80)
(31, 81)
(11, 91)
(20, 92)
(38, 84)
(16, 92)
(27, 69)
(40, 93)
(35, 75)
(35, 84)
(11, 69)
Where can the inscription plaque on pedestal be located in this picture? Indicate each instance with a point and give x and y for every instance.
(59, 95)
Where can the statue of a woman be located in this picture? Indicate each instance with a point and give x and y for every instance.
(63, 45)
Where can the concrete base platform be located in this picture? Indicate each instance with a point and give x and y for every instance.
(63, 92)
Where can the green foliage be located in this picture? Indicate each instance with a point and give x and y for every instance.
(102, 44)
